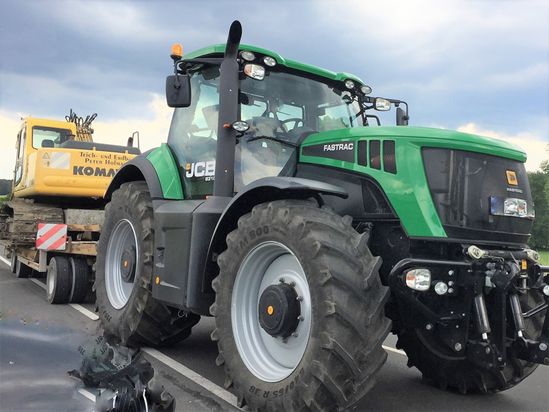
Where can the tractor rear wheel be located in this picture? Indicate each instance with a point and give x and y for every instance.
(127, 311)
(299, 309)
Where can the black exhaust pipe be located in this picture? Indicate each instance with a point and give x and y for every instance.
(228, 114)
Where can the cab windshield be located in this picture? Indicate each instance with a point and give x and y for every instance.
(281, 110)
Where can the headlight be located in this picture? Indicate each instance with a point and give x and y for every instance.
(240, 126)
(510, 206)
(269, 61)
(382, 104)
(366, 89)
(349, 84)
(247, 55)
(418, 279)
(255, 71)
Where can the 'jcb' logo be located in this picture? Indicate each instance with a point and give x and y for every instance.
(201, 169)
(93, 171)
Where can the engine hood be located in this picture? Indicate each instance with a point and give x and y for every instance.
(421, 136)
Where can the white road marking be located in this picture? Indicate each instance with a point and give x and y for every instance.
(87, 395)
(6, 261)
(84, 311)
(36, 281)
(192, 375)
(172, 363)
(76, 306)
(400, 352)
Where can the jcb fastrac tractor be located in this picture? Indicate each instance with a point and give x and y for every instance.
(278, 207)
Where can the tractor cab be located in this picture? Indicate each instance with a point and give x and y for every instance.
(280, 103)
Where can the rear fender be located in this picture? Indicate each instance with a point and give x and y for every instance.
(139, 168)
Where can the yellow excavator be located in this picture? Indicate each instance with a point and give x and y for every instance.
(60, 178)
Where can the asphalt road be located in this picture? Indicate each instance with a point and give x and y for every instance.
(38, 345)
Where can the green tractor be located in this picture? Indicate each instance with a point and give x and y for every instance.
(279, 207)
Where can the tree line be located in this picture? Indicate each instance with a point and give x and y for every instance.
(539, 184)
(5, 186)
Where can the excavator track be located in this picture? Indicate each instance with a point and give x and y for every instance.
(20, 217)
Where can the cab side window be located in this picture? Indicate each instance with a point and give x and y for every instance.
(21, 139)
(193, 134)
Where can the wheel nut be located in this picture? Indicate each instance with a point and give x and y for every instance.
(295, 335)
(292, 284)
(300, 298)
(543, 346)
(458, 347)
(281, 280)
(301, 318)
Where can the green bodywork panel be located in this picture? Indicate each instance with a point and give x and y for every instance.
(292, 64)
(166, 168)
(407, 190)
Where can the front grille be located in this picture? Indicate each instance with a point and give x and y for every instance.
(462, 184)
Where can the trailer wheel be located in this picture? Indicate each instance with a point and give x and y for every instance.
(447, 370)
(58, 280)
(22, 271)
(299, 309)
(13, 262)
(124, 269)
(80, 276)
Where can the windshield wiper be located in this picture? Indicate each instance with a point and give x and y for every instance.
(276, 139)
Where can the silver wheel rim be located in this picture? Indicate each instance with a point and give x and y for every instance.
(269, 358)
(119, 290)
(49, 281)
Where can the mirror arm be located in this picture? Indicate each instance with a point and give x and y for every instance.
(183, 65)
(176, 61)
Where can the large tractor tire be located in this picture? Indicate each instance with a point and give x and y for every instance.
(299, 310)
(447, 370)
(124, 269)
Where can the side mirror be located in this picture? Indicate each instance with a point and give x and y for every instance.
(401, 117)
(47, 143)
(178, 90)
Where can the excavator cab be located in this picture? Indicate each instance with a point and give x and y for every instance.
(53, 161)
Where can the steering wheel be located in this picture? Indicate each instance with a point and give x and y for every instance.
(294, 120)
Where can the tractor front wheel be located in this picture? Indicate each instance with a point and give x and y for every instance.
(299, 309)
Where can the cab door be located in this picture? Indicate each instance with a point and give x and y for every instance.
(193, 134)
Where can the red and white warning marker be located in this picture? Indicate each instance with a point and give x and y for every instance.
(51, 236)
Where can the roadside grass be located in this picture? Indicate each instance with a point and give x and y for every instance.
(544, 257)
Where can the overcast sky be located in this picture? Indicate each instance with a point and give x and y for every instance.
(479, 66)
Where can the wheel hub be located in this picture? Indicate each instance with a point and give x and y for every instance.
(279, 310)
(127, 264)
